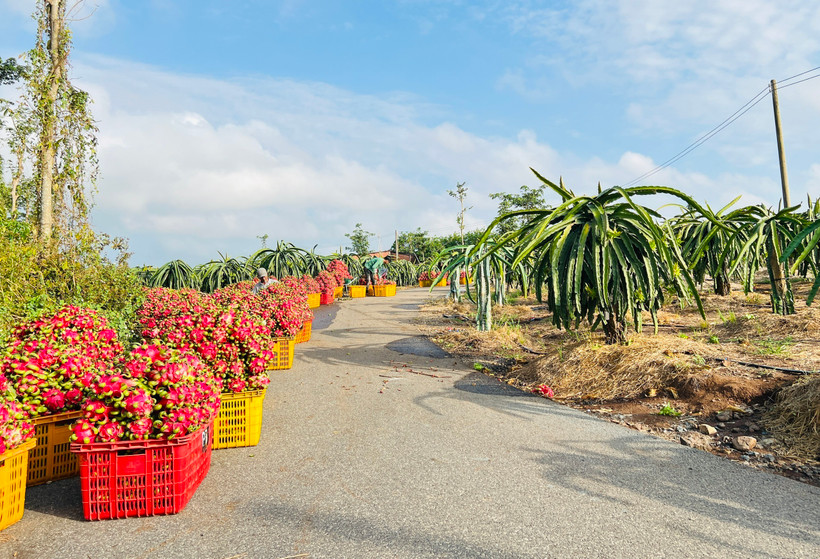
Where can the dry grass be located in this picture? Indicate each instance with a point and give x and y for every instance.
(795, 417)
(585, 369)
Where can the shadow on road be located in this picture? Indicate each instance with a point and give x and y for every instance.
(610, 468)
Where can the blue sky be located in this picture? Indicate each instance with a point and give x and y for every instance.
(224, 120)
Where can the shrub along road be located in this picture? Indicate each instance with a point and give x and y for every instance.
(377, 444)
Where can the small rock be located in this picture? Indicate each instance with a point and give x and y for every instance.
(680, 428)
(724, 416)
(735, 429)
(744, 443)
(745, 457)
(696, 440)
(769, 457)
(753, 428)
(707, 429)
(721, 425)
(766, 443)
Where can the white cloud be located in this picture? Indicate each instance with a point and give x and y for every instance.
(193, 165)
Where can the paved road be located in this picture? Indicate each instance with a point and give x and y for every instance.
(361, 458)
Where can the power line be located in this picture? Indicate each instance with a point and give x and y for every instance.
(729, 120)
(762, 94)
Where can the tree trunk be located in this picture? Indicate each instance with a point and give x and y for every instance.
(614, 328)
(722, 285)
(782, 297)
(55, 11)
(15, 182)
(484, 317)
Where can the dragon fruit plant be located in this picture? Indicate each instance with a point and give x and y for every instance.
(154, 392)
(52, 361)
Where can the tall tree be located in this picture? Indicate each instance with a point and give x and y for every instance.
(527, 199)
(63, 132)
(359, 240)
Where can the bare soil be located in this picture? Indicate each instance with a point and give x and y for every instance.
(724, 372)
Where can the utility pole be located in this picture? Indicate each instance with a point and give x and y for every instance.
(784, 176)
(397, 245)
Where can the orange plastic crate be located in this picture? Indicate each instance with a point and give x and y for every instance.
(239, 422)
(52, 459)
(304, 334)
(314, 300)
(142, 478)
(284, 354)
(13, 465)
(357, 291)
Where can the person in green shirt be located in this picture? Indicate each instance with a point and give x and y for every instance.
(373, 267)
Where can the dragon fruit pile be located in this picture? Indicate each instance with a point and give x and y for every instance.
(282, 306)
(232, 342)
(430, 276)
(154, 392)
(311, 285)
(339, 271)
(51, 362)
(14, 425)
(327, 282)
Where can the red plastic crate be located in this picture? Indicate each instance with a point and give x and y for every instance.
(326, 298)
(142, 478)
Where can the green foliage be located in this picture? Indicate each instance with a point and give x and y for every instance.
(804, 249)
(419, 244)
(713, 340)
(602, 257)
(403, 272)
(175, 274)
(762, 242)
(82, 275)
(668, 410)
(11, 71)
(710, 240)
(527, 199)
(217, 274)
(359, 241)
(771, 346)
(286, 259)
(460, 194)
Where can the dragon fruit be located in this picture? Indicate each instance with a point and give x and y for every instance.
(49, 360)
(173, 394)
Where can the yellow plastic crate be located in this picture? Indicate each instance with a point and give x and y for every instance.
(425, 283)
(51, 459)
(239, 422)
(304, 334)
(357, 291)
(13, 465)
(338, 291)
(314, 300)
(284, 354)
(388, 290)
